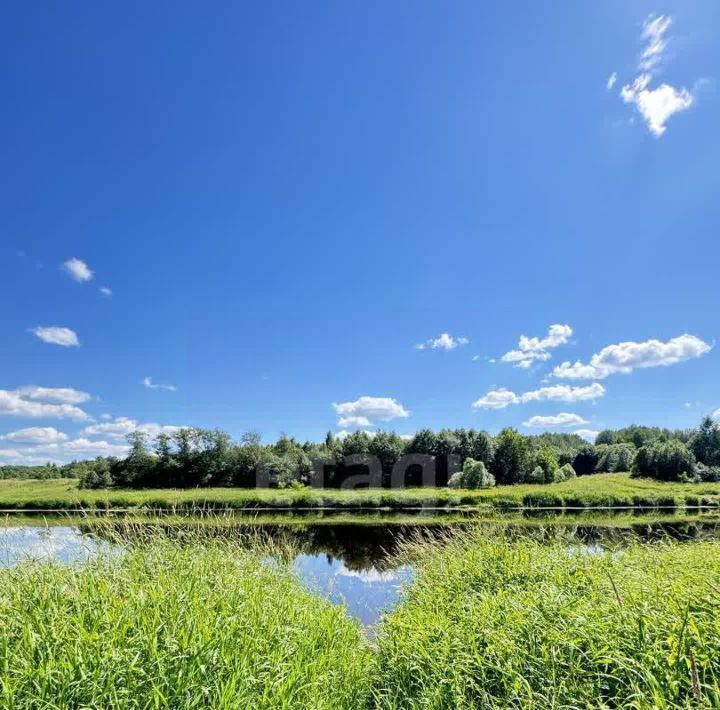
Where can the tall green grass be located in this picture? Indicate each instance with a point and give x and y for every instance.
(204, 624)
(492, 623)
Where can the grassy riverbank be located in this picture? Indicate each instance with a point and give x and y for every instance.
(493, 624)
(600, 490)
(170, 626)
(490, 622)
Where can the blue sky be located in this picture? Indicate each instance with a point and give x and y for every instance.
(286, 199)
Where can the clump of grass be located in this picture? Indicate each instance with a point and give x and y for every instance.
(493, 623)
(201, 624)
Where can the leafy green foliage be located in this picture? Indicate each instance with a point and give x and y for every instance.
(665, 460)
(546, 460)
(473, 476)
(511, 456)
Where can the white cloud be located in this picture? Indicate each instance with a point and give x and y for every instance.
(86, 447)
(497, 399)
(364, 410)
(532, 349)
(63, 395)
(565, 393)
(36, 435)
(611, 80)
(444, 341)
(23, 457)
(13, 404)
(624, 357)
(501, 398)
(353, 421)
(716, 414)
(61, 452)
(120, 427)
(587, 434)
(105, 291)
(78, 269)
(147, 382)
(655, 105)
(561, 419)
(57, 336)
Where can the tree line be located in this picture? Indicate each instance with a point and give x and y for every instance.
(201, 457)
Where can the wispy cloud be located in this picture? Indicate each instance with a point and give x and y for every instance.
(611, 80)
(444, 341)
(656, 105)
(63, 395)
(57, 336)
(623, 358)
(105, 291)
(77, 269)
(532, 349)
(501, 398)
(560, 419)
(147, 382)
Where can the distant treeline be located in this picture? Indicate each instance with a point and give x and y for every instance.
(201, 457)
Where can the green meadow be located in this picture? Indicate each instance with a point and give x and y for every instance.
(599, 490)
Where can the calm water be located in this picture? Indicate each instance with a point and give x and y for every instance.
(350, 563)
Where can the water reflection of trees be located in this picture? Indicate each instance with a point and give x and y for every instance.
(364, 546)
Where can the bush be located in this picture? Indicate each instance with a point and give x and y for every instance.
(456, 480)
(665, 460)
(546, 460)
(536, 476)
(586, 460)
(614, 458)
(707, 474)
(95, 474)
(565, 473)
(474, 475)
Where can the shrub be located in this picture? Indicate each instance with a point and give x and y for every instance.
(614, 458)
(456, 480)
(707, 474)
(664, 460)
(537, 475)
(565, 473)
(586, 460)
(546, 460)
(475, 475)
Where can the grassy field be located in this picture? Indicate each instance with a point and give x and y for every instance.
(490, 622)
(601, 490)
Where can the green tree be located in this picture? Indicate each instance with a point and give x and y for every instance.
(511, 457)
(705, 443)
(544, 458)
(665, 460)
